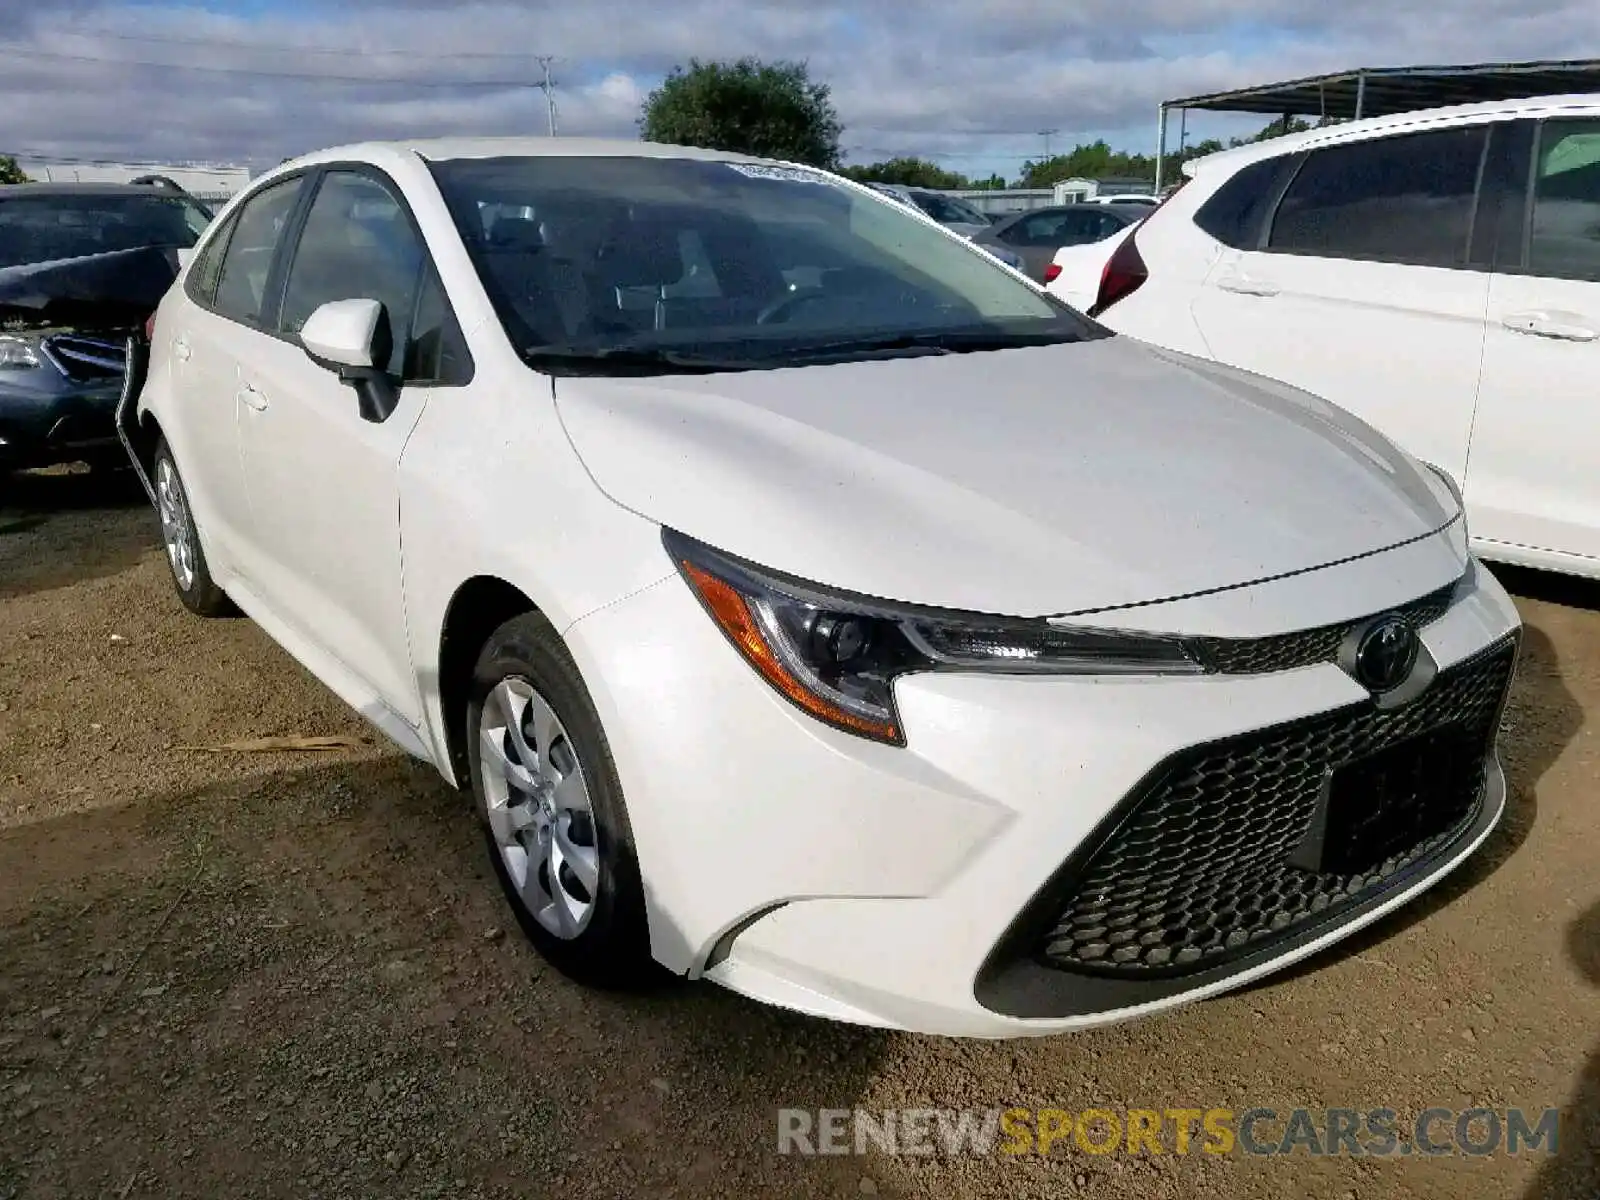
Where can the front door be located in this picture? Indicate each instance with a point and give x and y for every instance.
(323, 481)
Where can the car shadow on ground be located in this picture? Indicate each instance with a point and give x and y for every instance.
(1541, 718)
(65, 526)
(308, 983)
(1575, 1172)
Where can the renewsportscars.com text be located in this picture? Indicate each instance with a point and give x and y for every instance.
(1374, 1132)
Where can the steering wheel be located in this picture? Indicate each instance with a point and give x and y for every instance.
(787, 303)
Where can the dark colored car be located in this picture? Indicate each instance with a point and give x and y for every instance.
(81, 267)
(1036, 236)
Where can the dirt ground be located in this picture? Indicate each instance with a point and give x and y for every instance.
(291, 975)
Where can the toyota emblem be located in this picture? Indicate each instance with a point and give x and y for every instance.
(1385, 654)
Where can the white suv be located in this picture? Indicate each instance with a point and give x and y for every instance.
(1436, 273)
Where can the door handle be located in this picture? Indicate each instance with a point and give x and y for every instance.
(180, 349)
(1245, 286)
(250, 398)
(1569, 327)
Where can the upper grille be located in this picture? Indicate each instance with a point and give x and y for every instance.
(1284, 652)
(1202, 866)
(80, 356)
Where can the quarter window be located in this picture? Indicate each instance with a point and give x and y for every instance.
(1234, 212)
(1564, 239)
(207, 266)
(1404, 199)
(247, 262)
(358, 243)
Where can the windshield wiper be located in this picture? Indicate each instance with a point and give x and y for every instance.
(628, 360)
(931, 342)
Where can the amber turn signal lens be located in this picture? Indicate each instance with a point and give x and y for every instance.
(730, 611)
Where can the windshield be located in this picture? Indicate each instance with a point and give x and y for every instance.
(42, 228)
(947, 210)
(663, 263)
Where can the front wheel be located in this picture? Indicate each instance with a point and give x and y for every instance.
(548, 794)
(190, 574)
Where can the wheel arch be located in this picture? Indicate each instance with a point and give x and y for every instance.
(478, 607)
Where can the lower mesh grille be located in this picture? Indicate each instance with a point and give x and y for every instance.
(1239, 842)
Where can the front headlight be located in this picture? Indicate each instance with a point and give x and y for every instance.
(16, 354)
(837, 656)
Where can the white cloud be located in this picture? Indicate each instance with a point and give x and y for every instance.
(970, 82)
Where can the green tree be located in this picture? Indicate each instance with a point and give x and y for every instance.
(774, 110)
(10, 172)
(908, 172)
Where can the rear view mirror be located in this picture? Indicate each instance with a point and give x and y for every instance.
(351, 337)
(343, 333)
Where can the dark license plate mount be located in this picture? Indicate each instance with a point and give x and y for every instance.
(1381, 805)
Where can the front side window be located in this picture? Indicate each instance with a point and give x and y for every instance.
(753, 265)
(1405, 199)
(247, 262)
(358, 244)
(1564, 240)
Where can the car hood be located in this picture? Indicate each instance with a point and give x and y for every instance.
(111, 290)
(1042, 481)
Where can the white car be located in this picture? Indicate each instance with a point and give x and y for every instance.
(1436, 273)
(809, 603)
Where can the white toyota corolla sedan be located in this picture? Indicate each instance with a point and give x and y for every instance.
(808, 602)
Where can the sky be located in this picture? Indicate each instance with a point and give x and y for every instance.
(969, 84)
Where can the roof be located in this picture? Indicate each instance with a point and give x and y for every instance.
(83, 189)
(438, 149)
(1388, 90)
(1352, 130)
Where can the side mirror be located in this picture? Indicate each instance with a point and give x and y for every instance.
(352, 338)
(185, 256)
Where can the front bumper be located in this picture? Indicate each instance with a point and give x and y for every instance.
(910, 888)
(39, 430)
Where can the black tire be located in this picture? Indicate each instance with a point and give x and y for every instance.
(202, 596)
(613, 949)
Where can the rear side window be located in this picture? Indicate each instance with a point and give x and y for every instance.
(1235, 212)
(201, 282)
(1564, 237)
(1405, 199)
(247, 261)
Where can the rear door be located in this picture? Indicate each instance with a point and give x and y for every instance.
(1361, 287)
(225, 290)
(1533, 479)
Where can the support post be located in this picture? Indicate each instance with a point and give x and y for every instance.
(1161, 146)
(1361, 92)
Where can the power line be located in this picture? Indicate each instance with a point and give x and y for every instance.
(305, 76)
(281, 48)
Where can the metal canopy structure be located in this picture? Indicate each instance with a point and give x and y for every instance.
(1384, 91)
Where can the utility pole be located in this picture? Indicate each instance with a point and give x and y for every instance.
(548, 87)
(1045, 134)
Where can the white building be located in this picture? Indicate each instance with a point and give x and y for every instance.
(207, 181)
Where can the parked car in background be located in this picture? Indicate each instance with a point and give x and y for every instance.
(955, 215)
(1035, 236)
(807, 602)
(952, 212)
(81, 267)
(1437, 274)
(1131, 201)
